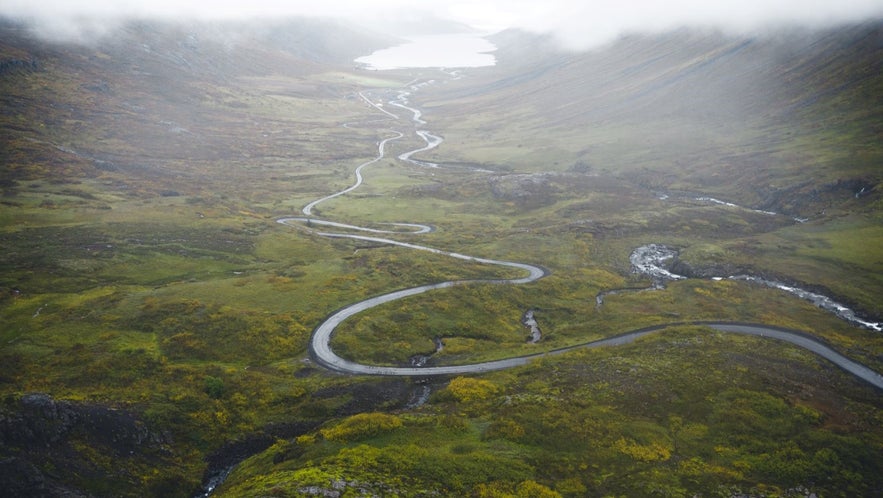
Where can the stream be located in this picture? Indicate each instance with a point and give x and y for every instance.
(651, 260)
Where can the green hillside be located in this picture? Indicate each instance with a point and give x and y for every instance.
(155, 319)
(786, 123)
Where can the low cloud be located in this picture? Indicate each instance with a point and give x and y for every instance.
(582, 24)
(577, 23)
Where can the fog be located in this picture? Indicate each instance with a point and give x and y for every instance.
(577, 23)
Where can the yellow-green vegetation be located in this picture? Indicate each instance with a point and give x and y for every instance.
(361, 426)
(143, 278)
(683, 413)
(467, 390)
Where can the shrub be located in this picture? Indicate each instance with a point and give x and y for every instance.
(214, 387)
(361, 426)
(467, 390)
(526, 489)
(652, 452)
(504, 429)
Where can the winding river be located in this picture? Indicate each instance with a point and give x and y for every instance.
(320, 347)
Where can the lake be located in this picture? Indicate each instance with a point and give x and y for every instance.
(452, 50)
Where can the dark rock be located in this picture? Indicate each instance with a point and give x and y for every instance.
(222, 461)
(35, 435)
(99, 87)
(719, 269)
(11, 66)
(44, 421)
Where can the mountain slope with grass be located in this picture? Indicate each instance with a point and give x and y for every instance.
(773, 118)
(782, 122)
(156, 318)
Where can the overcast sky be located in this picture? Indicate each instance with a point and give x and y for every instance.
(577, 22)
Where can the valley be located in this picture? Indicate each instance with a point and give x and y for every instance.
(180, 223)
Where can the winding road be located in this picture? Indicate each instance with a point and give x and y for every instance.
(320, 347)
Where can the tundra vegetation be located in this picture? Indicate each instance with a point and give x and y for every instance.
(148, 292)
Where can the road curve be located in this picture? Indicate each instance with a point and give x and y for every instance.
(432, 141)
(381, 148)
(416, 228)
(323, 354)
(320, 347)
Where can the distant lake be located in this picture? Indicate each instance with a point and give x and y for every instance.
(454, 50)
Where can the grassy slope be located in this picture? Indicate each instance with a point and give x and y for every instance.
(683, 414)
(140, 254)
(785, 124)
(141, 267)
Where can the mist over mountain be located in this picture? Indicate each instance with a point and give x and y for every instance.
(799, 78)
(577, 25)
(696, 71)
(151, 77)
(724, 108)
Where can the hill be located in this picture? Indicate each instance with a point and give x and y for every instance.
(780, 122)
(765, 121)
(149, 95)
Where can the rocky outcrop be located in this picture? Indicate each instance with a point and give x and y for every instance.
(524, 190)
(37, 458)
(41, 420)
(9, 66)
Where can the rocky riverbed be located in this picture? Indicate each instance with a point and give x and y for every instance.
(658, 261)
